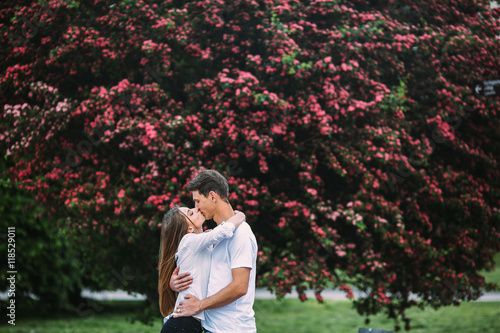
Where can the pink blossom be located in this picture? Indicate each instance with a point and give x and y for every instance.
(312, 191)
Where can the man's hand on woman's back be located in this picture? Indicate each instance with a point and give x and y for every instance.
(180, 282)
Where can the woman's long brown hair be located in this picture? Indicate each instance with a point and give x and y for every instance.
(174, 227)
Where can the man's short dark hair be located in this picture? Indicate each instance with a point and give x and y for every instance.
(209, 180)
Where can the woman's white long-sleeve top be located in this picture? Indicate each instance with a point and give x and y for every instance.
(194, 255)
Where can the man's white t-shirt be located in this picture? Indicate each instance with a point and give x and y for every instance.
(238, 251)
(194, 256)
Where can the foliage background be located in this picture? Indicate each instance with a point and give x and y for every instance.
(349, 133)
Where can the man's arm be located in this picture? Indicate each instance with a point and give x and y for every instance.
(237, 288)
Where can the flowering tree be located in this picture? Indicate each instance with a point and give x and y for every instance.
(350, 135)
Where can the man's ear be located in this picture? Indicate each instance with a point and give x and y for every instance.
(212, 196)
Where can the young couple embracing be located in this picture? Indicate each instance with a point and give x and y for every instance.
(214, 271)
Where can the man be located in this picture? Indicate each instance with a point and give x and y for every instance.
(231, 287)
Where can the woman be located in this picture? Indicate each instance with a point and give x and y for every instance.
(184, 244)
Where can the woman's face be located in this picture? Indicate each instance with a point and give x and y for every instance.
(195, 216)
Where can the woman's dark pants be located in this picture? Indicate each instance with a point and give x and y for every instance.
(181, 324)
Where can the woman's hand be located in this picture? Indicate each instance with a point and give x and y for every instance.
(237, 218)
(239, 215)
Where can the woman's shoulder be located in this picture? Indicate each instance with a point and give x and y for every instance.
(186, 240)
(190, 237)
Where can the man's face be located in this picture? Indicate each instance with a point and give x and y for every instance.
(204, 204)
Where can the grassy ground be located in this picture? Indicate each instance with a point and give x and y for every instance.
(272, 316)
(95, 317)
(338, 316)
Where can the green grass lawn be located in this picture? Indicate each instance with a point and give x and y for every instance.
(338, 316)
(273, 316)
